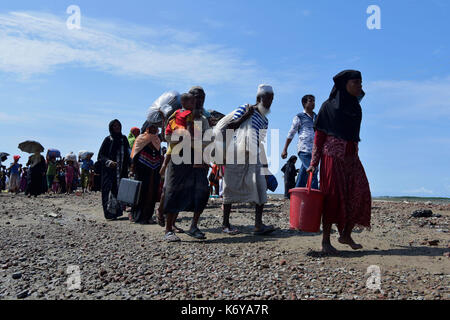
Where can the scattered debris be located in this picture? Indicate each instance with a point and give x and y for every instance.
(422, 213)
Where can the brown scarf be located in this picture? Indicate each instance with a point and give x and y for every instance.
(143, 140)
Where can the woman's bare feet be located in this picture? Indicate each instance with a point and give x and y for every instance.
(349, 241)
(327, 248)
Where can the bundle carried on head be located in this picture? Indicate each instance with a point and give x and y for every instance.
(53, 153)
(163, 108)
(71, 157)
(83, 154)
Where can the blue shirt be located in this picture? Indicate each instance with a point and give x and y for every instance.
(303, 124)
(87, 164)
(15, 169)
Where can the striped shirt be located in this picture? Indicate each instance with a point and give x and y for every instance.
(258, 122)
(303, 124)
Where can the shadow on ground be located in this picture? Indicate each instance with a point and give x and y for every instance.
(400, 251)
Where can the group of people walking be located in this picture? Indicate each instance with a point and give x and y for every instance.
(327, 140)
(51, 175)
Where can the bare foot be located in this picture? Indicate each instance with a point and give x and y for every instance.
(349, 241)
(327, 248)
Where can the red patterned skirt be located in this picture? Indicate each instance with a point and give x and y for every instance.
(344, 184)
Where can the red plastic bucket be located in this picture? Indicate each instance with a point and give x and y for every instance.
(306, 208)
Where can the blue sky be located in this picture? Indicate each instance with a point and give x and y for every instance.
(62, 87)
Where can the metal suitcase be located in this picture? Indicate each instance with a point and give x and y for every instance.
(129, 191)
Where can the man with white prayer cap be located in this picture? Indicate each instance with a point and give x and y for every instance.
(246, 183)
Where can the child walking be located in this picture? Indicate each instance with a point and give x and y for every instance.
(70, 172)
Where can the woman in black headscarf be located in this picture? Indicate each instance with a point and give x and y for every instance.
(114, 157)
(36, 174)
(343, 180)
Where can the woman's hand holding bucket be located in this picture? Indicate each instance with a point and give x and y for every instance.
(311, 169)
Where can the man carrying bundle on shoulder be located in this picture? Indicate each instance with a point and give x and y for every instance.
(246, 182)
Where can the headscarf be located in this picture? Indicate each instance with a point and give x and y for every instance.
(341, 114)
(113, 134)
(144, 139)
(117, 138)
(135, 131)
(35, 159)
(292, 161)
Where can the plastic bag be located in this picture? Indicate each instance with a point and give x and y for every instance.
(84, 154)
(272, 183)
(164, 107)
(54, 153)
(113, 205)
(71, 157)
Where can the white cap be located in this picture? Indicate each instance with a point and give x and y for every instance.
(263, 89)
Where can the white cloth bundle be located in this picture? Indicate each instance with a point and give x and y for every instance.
(71, 157)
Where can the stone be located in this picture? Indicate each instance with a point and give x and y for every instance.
(422, 214)
(433, 242)
(22, 294)
(16, 275)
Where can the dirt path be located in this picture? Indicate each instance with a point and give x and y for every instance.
(40, 238)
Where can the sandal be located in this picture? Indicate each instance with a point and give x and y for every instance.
(230, 230)
(177, 230)
(196, 233)
(171, 237)
(264, 230)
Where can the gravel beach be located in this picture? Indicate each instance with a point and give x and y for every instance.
(43, 240)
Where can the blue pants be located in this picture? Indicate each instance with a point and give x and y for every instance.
(302, 178)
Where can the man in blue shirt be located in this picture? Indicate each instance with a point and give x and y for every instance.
(303, 124)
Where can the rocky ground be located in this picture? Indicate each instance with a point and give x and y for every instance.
(40, 238)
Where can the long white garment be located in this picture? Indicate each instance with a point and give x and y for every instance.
(244, 183)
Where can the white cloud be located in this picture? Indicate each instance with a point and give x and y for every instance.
(410, 99)
(306, 13)
(36, 43)
(7, 118)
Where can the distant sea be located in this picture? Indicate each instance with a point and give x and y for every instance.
(415, 199)
(388, 198)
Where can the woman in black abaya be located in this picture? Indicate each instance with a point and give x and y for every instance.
(115, 160)
(36, 174)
